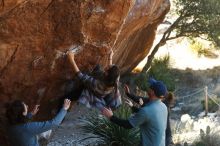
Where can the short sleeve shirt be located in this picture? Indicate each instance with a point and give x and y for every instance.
(152, 121)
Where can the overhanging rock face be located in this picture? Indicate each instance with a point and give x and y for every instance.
(35, 34)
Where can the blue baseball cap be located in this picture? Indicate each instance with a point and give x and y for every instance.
(158, 87)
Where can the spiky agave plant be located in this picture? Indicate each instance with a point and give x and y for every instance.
(109, 133)
(207, 138)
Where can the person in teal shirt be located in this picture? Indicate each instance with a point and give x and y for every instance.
(151, 118)
(167, 100)
(24, 133)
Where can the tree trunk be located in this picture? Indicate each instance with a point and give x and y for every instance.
(166, 37)
(151, 56)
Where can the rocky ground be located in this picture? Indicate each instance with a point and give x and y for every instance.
(70, 132)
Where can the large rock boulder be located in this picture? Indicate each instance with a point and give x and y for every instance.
(35, 34)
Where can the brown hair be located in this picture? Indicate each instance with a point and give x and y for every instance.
(169, 98)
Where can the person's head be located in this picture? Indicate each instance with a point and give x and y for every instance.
(169, 98)
(157, 89)
(112, 75)
(16, 112)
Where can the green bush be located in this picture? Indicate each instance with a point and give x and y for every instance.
(207, 138)
(200, 49)
(141, 80)
(109, 133)
(160, 70)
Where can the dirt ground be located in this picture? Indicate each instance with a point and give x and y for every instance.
(70, 132)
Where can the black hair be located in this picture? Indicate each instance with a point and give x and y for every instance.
(14, 113)
(112, 75)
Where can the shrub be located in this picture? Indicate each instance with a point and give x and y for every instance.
(141, 80)
(207, 138)
(200, 49)
(160, 70)
(109, 133)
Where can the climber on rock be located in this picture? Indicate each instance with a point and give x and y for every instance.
(100, 89)
(21, 132)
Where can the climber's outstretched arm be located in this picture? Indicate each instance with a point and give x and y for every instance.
(110, 57)
(72, 61)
